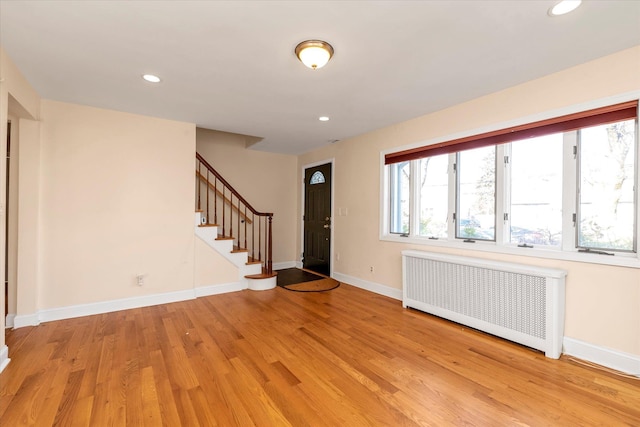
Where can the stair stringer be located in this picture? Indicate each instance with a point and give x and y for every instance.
(209, 235)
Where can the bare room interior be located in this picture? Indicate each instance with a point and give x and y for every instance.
(320, 213)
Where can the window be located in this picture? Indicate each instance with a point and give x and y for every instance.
(562, 184)
(399, 209)
(433, 194)
(317, 178)
(606, 209)
(535, 213)
(476, 191)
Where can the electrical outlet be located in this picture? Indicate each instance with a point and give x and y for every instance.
(140, 278)
(371, 269)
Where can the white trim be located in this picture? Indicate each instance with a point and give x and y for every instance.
(283, 265)
(207, 290)
(374, 287)
(621, 260)
(22, 320)
(263, 284)
(8, 322)
(333, 207)
(81, 310)
(4, 357)
(614, 359)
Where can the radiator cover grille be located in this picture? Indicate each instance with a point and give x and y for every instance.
(522, 303)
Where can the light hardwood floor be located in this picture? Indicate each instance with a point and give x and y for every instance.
(277, 358)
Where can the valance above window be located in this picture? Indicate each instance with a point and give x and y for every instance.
(570, 122)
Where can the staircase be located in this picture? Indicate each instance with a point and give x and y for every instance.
(226, 222)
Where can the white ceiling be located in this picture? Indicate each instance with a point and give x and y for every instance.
(230, 66)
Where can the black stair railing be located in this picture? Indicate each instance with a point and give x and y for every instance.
(235, 218)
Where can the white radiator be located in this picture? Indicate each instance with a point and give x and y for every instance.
(521, 303)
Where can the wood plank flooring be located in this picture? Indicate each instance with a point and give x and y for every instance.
(277, 358)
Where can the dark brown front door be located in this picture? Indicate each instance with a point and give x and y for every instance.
(317, 219)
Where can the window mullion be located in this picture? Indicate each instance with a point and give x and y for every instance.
(503, 194)
(569, 191)
(636, 175)
(453, 195)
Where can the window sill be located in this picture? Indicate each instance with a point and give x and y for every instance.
(620, 259)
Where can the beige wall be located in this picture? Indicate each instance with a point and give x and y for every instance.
(603, 302)
(117, 201)
(211, 268)
(20, 100)
(29, 218)
(266, 180)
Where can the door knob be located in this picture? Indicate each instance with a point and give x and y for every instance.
(326, 226)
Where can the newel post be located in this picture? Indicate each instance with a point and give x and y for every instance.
(269, 248)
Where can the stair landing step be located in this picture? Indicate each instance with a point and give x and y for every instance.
(261, 276)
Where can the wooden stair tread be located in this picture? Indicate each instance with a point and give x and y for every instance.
(207, 225)
(239, 250)
(224, 238)
(253, 262)
(261, 275)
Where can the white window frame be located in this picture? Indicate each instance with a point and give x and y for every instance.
(567, 250)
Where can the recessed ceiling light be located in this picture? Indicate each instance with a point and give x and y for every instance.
(323, 118)
(565, 6)
(151, 78)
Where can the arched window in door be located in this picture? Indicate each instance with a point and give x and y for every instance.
(317, 178)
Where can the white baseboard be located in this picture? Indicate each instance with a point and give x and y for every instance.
(69, 312)
(22, 320)
(298, 264)
(113, 305)
(4, 357)
(80, 310)
(203, 291)
(614, 359)
(369, 286)
(283, 265)
(8, 321)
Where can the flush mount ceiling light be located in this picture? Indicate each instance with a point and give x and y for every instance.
(314, 53)
(151, 78)
(323, 118)
(565, 6)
